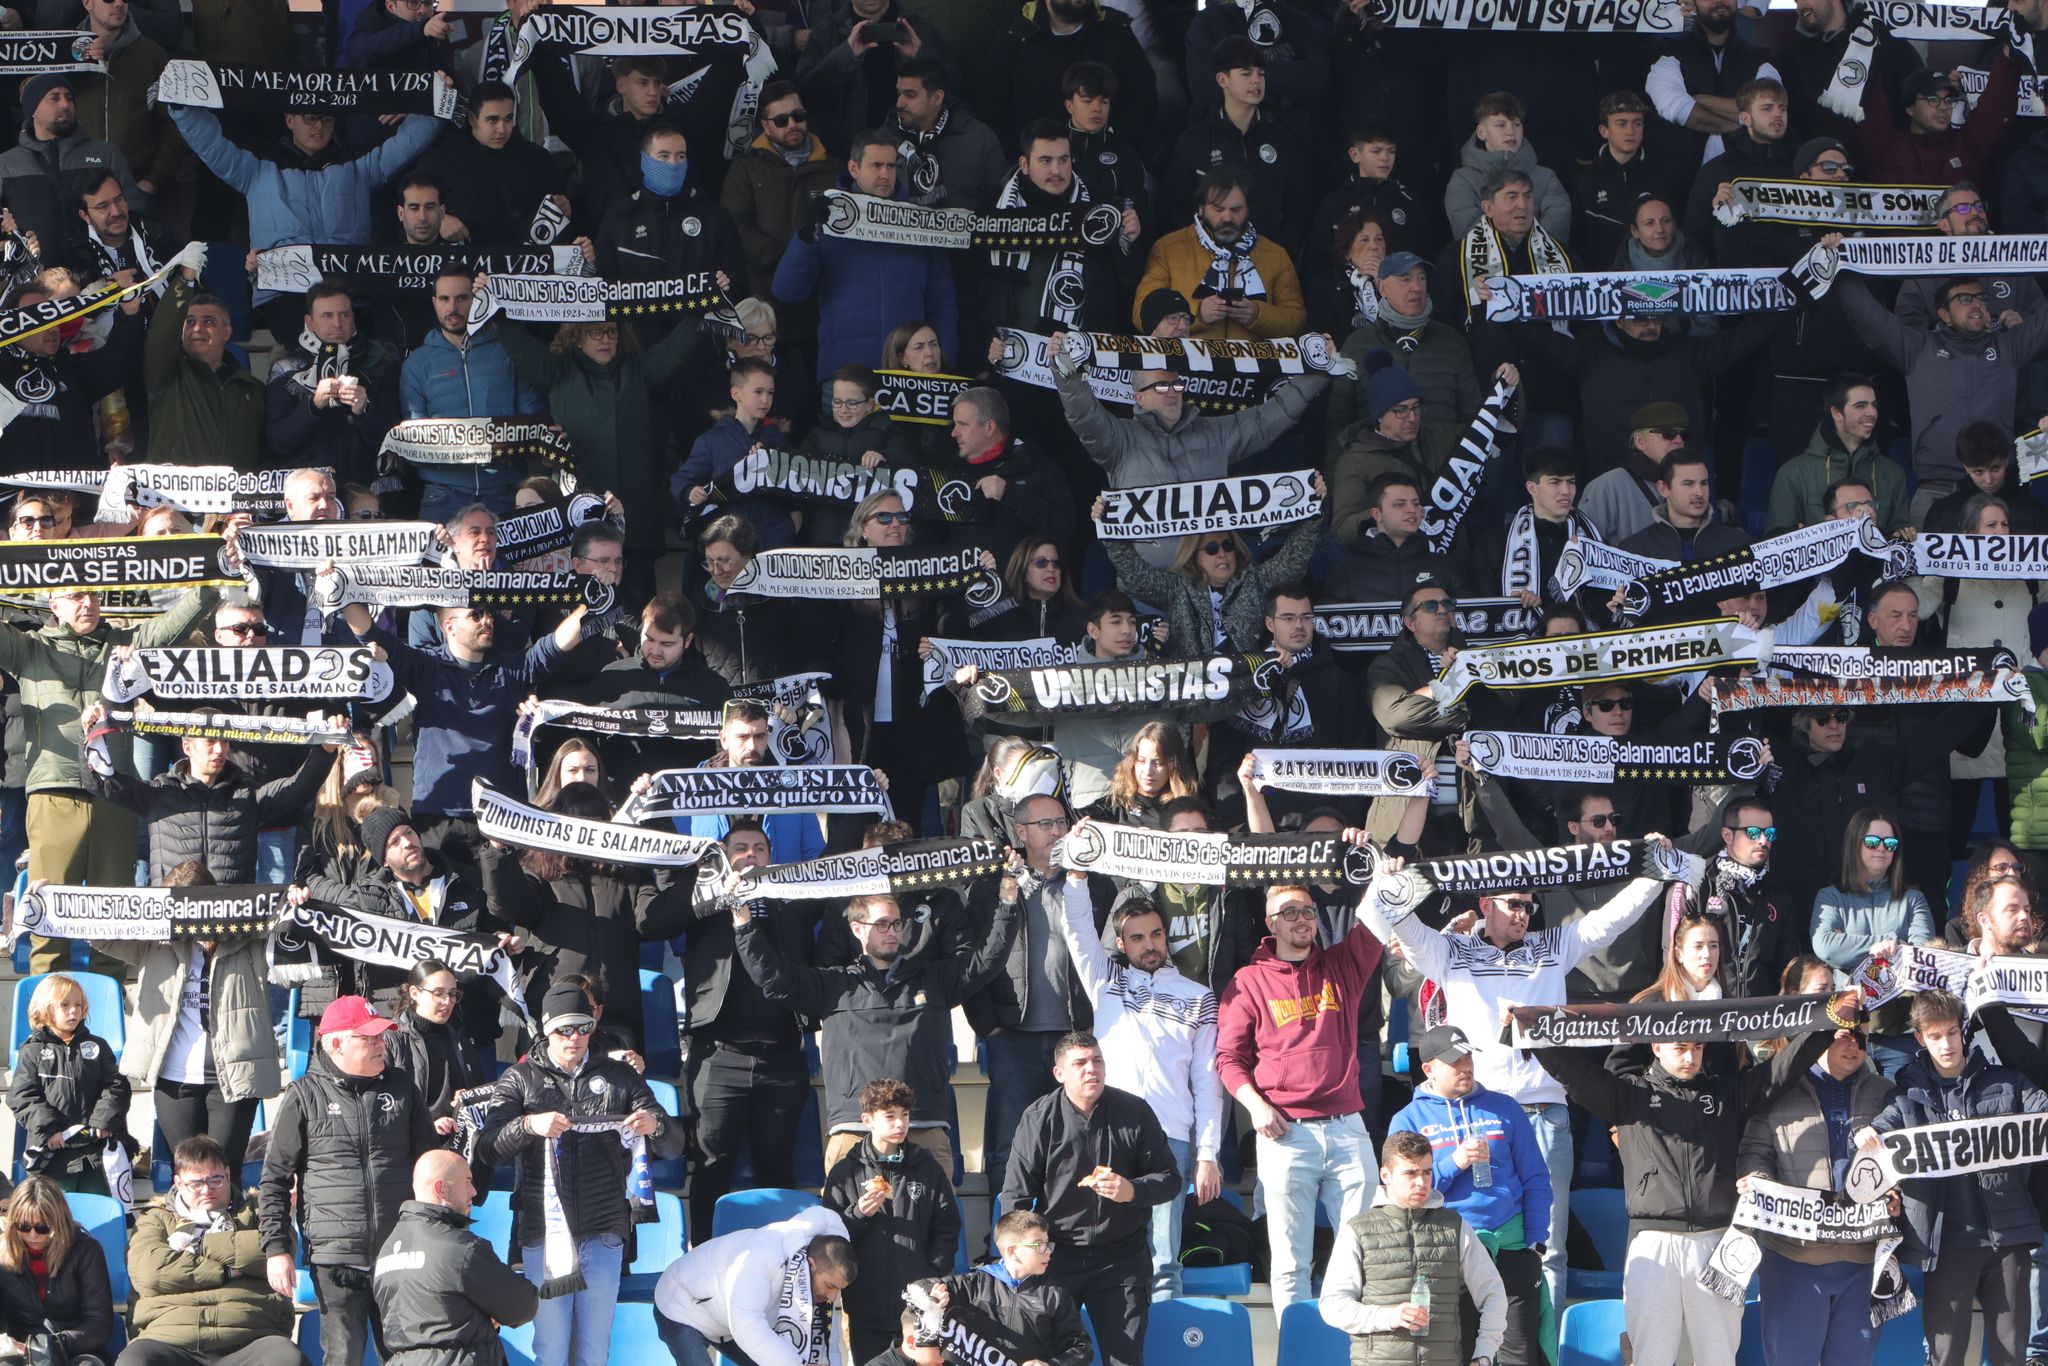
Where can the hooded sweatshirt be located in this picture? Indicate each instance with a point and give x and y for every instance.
(1291, 1028)
(1520, 1181)
(1476, 163)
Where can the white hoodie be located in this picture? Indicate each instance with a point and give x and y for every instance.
(726, 1287)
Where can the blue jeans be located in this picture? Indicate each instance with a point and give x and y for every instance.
(1019, 1072)
(578, 1326)
(1553, 1126)
(1890, 1052)
(1166, 1223)
(1816, 1313)
(276, 851)
(688, 1346)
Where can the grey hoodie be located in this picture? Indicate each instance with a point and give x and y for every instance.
(1461, 195)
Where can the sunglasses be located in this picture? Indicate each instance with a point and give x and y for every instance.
(1757, 832)
(1218, 548)
(1044, 562)
(1613, 704)
(1668, 433)
(1834, 167)
(1880, 841)
(1433, 606)
(890, 518)
(576, 1031)
(45, 521)
(1521, 904)
(40, 1230)
(1166, 386)
(1602, 821)
(793, 116)
(1831, 718)
(244, 628)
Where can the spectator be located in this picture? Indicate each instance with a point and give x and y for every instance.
(1740, 875)
(666, 227)
(68, 1099)
(425, 1046)
(1496, 146)
(494, 182)
(768, 188)
(1962, 212)
(441, 1289)
(1214, 594)
(1109, 165)
(1434, 353)
(663, 671)
(459, 373)
(329, 405)
(1032, 55)
(944, 155)
(1092, 1160)
(1623, 173)
(572, 1174)
(205, 407)
(1397, 688)
(1389, 556)
(1870, 910)
(866, 289)
(343, 1181)
(1843, 448)
(607, 143)
(1624, 500)
(1029, 493)
(1041, 1315)
(726, 1292)
(1759, 145)
(54, 1287)
(848, 77)
(1930, 150)
(1985, 451)
(730, 440)
(1390, 439)
(900, 1213)
(196, 1260)
(1076, 287)
(1521, 555)
(1695, 83)
(46, 167)
(115, 102)
(1685, 525)
(396, 35)
(1239, 132)
(1241, 285)
(60, 427)
(1368, 1276)
(1297, 1074)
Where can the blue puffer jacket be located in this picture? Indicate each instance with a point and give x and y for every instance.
(715, 453)
(328, 205)
(865, 290)
(442, 380)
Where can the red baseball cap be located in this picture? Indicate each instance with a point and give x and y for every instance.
(353, 1015)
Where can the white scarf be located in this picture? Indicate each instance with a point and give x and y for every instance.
(805, 1325)
(1365, 296)
(1231, 267)
(330, 360)
(1522, 567)
(195, 1224)
(1844, 94)
(564, 1275)
(1485, 257)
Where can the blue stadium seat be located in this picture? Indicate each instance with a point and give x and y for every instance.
(309, 1341)
(518, 1344)
(661, 1242)
(491, 1220)
(1598, 1163)
(101, 1217)
(661, 1043)
(1217, 1282)
(1305, 1340)
(104, 1013)
(1603, 1213)
(1199, 1332)
(299, 1043)
(738, 1210)
(1902, 1342)
(634, 1337)
(667, 1171)
(1589, 1334)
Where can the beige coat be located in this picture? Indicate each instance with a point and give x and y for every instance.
(244, 1046)
(1788, 1143)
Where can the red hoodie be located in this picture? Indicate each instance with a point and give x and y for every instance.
(1291, 1029)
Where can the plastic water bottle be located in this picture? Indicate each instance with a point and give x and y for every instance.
(1418, 1293)
(1482, 1169)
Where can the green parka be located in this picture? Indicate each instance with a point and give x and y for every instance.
(213, 1300)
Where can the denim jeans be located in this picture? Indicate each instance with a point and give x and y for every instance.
(1166, 1224)
(2037, 1331)
(578, 1326)
(1553, 1126)
(276, 852)
(688, 1346)
(1019, 1072)
(1328, 1162)
(1816, 1313)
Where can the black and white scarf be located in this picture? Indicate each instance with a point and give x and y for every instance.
(758, 791)
(1366, 305)
(308, 545)
(36, 51)
(1230, 267)
(1009, 234)
(109, 259)
(1829, 204)
(1808, 1216)
(948, 655)
(1262, 22)
(1450, 495)
(1064, 290)
(1935, 254)
(201, 489)
(1271, 358)
(925, 400)
(1601, 656)
(587, 299)
(513, 822)
(861, 573)
(189, 561)
(1664, 17)
(403, 585)
(1483, 256)
(1344, 772)
(306, 931)
(149, 915)
(1954, 1147)
(1589, 562)
(1564, 865)
(1979, 555)
(385, 272)
(236, 730)
(1244, 502)
(639, 723)
(532, 532)
(929, 495)
(329, 360)
(902, 868)
(918, 151)
(1607, 294)
(252, 89)
(477, 441)
(564, 1276)
(1521, 568)
(1126, 685)
(1661, 1021)
(1599, 760)
(182, 673)
(1755, 694)
(1876, 662)
(1370, 627)
(806, 1326)
(1805, 553)
(19, 324)
(1202, 858)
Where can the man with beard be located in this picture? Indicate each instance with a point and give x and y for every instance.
(115, 102)
(1685, 526)
(1507, 240)
(945, 156)
(36, 173)
(1764, 919)
(457, 373)
(331, 398)
(2012, 298)
(58, 388)
(663, 672)
(1822, 102)
(118, 246)
(1694, 84)
(746, 739)
(1033, 54)
(1760, 145)
(1930, 150)
(848, 77)
(1242, 285)
(494, 180)
(1624, 500)
(769, 186)
(1047, 288)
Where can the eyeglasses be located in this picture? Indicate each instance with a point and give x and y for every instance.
(1048, 823)
(890, 518)
(442, 993)
(1602, 821)
(1668, 433)
(2002, 869)
(1831, 718)
(1963, 208)
(1433, 606)
(793, 116)
(1880, 841)
(1520, 904)
(576, 1031)
(1613, 704)
(1834, 167)
(1939, 99)
(757, 338)
(1218, 548)
(204, 1183)
(1963, 298)
(1164, 386)
(45, 521)
(1294, 912)
(849, 405)
(1045, 562)
(1408, 409)
(1036, 1246)
(1757, 832)
(243, 628)
(895, 924)
(1855, 505)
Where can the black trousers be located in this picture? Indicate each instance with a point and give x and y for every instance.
(279, 1351)
(348, 1312)
(741, 1094)
(1117, 1293)
(1965, 1277)
(185, 1109)
(1521, 1272)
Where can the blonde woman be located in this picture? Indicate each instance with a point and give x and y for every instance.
(68, 1095)
(53, 1278)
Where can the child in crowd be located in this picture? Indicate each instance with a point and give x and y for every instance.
(68, 1095)
(1012, 1303)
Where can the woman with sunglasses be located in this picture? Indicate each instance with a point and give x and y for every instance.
(53, 1280)
(1215, 593)
(856, 432)
(1870, 910)
(426, 1045)
(1040, 595)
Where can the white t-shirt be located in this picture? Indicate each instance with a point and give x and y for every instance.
(189, 1059)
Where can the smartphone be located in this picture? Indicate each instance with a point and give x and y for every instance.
(889, 32)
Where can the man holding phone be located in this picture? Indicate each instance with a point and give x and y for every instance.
(330, 399)
(1242, 286)
(849, 66)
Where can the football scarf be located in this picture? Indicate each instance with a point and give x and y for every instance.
(758, 791)
(1344, 772)
(1450, 495)
(1601, 295)
(530, 533)
(1483, 256)
(236, 730)
(1521, 568)
(637, 723)
(861, 573)
(1532, 16)
(927, 400)
(31, 53)
(399, 585)
(153, 915)
(1063, 290)
(306, 931)
(1755, 694)
(587, 299)
(513, 822)
(128, 563)
(1601, 656)
(1828, 204)
(1200, 858)
(901, 223)
(898, 869)
(1957, 1147)
(198, 490)
(19, 324)
(1230, 267)
(1027, 359)
(1272, 359)
(298, 673)
(253, 89)
(1787, 558)
(1120, 686)
(1938, 255)
(1850, 662)
(1564, 865)
(308, 545)
(477, 441)
(948, 655)
(1245, 502)
(928, 495)
(1808, 1216)
(1589, 562)
(1977, 555)
(1608, 1026)
(386, 272)
(1599, 760)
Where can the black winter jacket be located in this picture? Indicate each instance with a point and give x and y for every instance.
(430, 1055)
(442, 1292)
(1680, 1139)
(749, 642)
(78, 1308)
(213, 823)
(494, 193)
(349, 1143)
(1029, 63)
(335, 437)
(59, 425)
(882, 1022)
(1056, 1146)
(57, 1085)
(593, 1166)
(913, 1235)
(1039, 1318)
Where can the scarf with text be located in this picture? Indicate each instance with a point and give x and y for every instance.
(476, 441)
(36, 51)
(383, 272)
(1450, 496)
(236, 730)
(805, 1326)
(1027, 358)
(928, 495)
(1804, 1215)
(1013, 228)
(947, 655)
(1607, 294)
(19, 324)
(918, 149)
(399, 585)
(1126, 685)
(192, 489)
(109, 259)
(1601, 656)
(1939, 255)
(1063, 290)
(1956, 1147)
(1369, 627)
(1589, 562)
(308, 545)
(189, 561)
(1203, 859)
(1533, 16)
(1270, 359)
(532, 532)
(1757, 694)
(1521, 568)
(513, 822)
(2016, 981)
(1661, 1021)
(1602, 759)
(1483, 256)
(315, 927)
(1244, 502)
(1563, 865)
(1828, 204)
(861, 573)
(638, 723)
(1230, 267)
(1978, 555)
(898, 869)
(1850, 662)
(253, 89)
(150, 915)
(179, 673)
(759, 791)
(909, 396)
(1365, 303)
(1787, 558)
(1344, 772)
(588, 299)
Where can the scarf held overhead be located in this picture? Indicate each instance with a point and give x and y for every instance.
(1450, 495)
(513, 822)
(1245, 502)
(128, 563)
(900, 868)
(251, 89)
(1601, 759)
(308, 545)
(867, 574)
(638, 723)
(1825, 204)
(1307, 354)
(587, 299)
(147, 914)
(928, 495)
(1788, 558)
(1948, 1148)
(895, 222)
(381, 586)
(35, 52)
(290, 672)
(1756, 694)
(385, 941)
(1534, 16)
(947, 655)
(1344, 772)
(1564, 865)
(759, 791)
(1605, 1026)
(1201, 858)
(552, 525)
(1649, 652)
(385, 271)
(1127, 685)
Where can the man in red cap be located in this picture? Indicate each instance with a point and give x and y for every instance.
(346, 1135)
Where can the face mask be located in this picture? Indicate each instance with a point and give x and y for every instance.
(664, 178)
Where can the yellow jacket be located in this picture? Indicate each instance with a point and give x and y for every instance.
(1178, 261)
